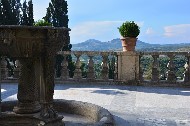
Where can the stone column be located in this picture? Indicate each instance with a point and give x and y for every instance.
(155, 65)
(104, 73)
(77, 72)
(91, 73)
(27, 89)
(128, 66)
(64, 70)
(46, 70)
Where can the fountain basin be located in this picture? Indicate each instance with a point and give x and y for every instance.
(75, 113)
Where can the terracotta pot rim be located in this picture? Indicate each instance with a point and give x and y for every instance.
(127, 37)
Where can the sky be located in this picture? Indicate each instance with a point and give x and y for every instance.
(160, 21)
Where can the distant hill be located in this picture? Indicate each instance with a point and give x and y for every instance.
(115, 44)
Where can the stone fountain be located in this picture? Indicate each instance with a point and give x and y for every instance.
(35, 48)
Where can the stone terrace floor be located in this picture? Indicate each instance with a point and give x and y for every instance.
(130, 105)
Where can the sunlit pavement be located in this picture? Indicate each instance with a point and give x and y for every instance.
(130, 105)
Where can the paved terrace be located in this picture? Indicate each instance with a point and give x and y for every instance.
(130, 105)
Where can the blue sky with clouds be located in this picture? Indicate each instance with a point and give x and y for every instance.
(160, 21)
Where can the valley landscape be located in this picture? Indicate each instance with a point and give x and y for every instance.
(115, 45)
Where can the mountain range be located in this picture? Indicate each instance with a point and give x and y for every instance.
(115, 44)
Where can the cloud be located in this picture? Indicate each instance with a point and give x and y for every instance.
(179, 33)
(149, 31)
(181, 30)
(101, 30)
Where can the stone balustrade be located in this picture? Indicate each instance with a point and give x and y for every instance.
(135, 68)
(164, 68)
(90, 66)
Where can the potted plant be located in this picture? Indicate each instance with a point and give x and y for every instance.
(129, 31)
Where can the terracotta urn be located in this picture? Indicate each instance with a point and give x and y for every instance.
(128, 43)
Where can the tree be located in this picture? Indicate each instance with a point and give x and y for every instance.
(6, 12)
(1, 14)
(12, 12)
(24, 20)
(57, 13)
(18, 11)
(30, 13)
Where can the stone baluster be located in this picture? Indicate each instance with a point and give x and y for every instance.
(4, 70)
(105, 70)
(17, 69)
(77, 72)
(140, 69)
(155, 65)
(171, 78)
(64, 70)
(90, 73)
(187, 70)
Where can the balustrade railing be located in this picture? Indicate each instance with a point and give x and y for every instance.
(164, 67)
(91, 66)
(75, 66)
(88, 66)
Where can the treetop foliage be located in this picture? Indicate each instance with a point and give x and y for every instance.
(57, 13)
(12, 12)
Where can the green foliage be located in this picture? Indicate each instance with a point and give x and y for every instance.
(129, 29)
(12, 12)
(84, 70)
(7, 14)
(97, 69)
(146, 65)
(42, 23)
(179, 62)
(71, 67)
(163, 62)
(30, 13)
(147, 61)
(27, 16)
(57, 13)
(111, 68)
(24, 20)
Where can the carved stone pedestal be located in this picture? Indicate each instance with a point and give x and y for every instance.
(35, 48)
(128, 66)
(27, 89)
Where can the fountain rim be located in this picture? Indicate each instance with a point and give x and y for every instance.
(33, 27)
(101, 115)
